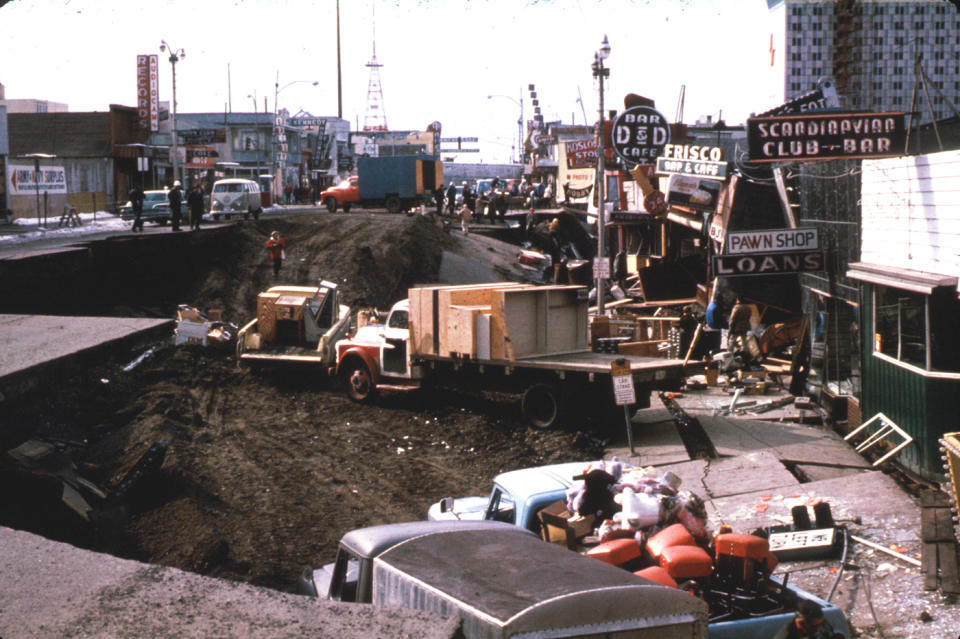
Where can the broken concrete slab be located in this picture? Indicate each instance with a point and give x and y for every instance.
(95, 595)
(753, 471)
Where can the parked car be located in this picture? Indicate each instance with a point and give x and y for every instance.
(235, 196)
(156, 208)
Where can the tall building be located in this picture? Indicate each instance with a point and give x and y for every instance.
(873, 50)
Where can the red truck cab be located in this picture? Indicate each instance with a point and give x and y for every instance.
(342, 195)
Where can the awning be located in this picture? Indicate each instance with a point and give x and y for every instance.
(906, 279)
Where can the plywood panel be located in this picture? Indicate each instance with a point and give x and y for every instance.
(266, 316)
(459, 331)
(483, 335)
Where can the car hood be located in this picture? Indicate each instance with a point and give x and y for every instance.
(463, 508)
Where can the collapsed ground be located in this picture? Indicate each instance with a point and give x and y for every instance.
(266, 471)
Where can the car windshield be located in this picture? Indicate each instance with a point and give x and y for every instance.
(345, 184)
(154, 198)
(228, 188)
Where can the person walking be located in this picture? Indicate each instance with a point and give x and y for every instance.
(136, 200)
(438, 199)
(451, 199)
(276, 248)
(465, 215)
(195, 204)
(175, 197)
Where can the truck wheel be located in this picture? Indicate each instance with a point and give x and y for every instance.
(331, 203)
(358, 382)
(216, 216)
(393, 204)
(542, 405)
(346, 208)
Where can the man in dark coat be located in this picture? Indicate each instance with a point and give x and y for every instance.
(136, 200)
(195, 204)
(451, 199)
(175, 197)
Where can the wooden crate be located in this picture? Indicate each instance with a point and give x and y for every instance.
(427, 316)
(458, 335)
(267, 316)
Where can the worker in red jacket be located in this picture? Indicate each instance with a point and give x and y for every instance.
(276, 248)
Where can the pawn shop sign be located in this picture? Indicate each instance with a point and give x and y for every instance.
(623, 391)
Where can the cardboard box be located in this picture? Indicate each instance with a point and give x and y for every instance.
(190, 332)
(560, 526)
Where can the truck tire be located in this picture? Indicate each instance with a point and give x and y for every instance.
(393, 204)
(543, 405)
(331, 203)
(358, 381)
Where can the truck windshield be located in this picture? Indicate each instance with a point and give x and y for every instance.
(500, 507)
(346, 573)
(398, 319)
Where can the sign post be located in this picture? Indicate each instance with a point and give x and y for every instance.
(624, 393)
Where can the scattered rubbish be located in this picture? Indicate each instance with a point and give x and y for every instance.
(193, 327)
(139, 360)
(892, 553)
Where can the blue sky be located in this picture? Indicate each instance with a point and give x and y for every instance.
(441, 58)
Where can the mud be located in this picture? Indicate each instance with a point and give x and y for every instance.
(267, 470)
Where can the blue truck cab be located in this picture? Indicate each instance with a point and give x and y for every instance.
(518, 495)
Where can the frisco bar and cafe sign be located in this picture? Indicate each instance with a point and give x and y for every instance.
(148, 96)
(692, 161)
(826, 136)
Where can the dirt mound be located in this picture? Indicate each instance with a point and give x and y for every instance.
(266, 471)
(373, 258)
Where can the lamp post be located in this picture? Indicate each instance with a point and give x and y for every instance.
(519, 103)
(278, 134)
(175, 56)
(600, 73)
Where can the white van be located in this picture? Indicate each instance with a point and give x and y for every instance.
(235, 196)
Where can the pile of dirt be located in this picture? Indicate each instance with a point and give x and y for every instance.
(266, 471)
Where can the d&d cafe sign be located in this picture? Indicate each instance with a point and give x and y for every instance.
(826, 136)
(639, 135)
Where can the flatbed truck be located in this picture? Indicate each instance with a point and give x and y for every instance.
(505, 337)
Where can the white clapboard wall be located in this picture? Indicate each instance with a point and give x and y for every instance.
(911, 212)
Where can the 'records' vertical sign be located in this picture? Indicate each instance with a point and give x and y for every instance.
(148, 104)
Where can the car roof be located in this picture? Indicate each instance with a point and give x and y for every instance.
(233, 181)
(541, 479)
(373, 540)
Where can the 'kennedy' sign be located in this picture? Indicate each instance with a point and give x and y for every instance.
(827, 136)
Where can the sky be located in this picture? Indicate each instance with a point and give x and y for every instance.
(441, 58)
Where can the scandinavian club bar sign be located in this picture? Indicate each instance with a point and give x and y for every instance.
(771, 252)
(826, 136)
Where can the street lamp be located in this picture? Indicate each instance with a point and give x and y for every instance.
(278, 135)
(175, 56)
(600, 73)
(519, 122)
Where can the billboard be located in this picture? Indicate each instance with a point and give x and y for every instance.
(827, 136)
(148, 93)
(22, 179)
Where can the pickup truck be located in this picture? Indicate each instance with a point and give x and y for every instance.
(343, 195)
(519, 495)
(506, 337)
(294, 324)
(502, 582)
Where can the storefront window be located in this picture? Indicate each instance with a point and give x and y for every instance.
(917, 329)
(901, 325)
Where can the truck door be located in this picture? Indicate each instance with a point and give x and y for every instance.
(394, 353)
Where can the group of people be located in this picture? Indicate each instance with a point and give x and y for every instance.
(195, 206)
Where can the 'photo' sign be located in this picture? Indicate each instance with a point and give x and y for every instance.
(826, 136)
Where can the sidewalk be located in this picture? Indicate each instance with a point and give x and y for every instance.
(767, 466)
